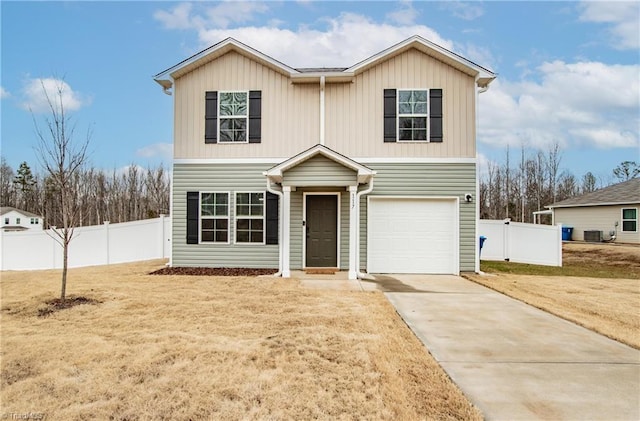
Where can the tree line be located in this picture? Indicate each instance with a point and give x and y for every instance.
(116, 196)
(518, 187)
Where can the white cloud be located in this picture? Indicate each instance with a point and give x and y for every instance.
(574, 104)
(4, 93)
(624, 18)
(162, 150)
(219, 16)
(406, 15)
(464, 10)
(39, 92)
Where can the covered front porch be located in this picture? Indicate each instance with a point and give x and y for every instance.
(319, 210)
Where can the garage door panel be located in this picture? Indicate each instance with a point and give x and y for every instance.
(412, 236)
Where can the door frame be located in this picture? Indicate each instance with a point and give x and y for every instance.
(304, 224)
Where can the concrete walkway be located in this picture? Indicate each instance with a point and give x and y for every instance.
(513, 361)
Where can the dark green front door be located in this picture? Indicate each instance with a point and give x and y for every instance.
(322, 231)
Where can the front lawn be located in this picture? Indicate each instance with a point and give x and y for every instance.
(196, 347)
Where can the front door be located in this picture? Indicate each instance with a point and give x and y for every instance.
(322, 231)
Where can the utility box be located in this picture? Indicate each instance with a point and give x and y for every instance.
(593, 236)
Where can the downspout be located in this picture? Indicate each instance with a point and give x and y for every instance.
(477, 204)
(270, 189)
(361, 275)
(322, 83)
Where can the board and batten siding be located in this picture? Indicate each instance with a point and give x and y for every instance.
(290, 113)
(217, 178)
(353, 111)
(402, 179)
(596, 218)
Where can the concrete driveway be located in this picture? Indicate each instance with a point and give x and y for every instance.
(513, 361)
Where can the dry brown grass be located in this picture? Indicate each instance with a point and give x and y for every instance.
(606, 305)
(188, 347)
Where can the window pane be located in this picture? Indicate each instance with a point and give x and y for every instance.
(207, 198)
(207, 224)
(256, 198)
(405, 122)
(221, 236)
(256, 237)
(404, 96)
(404, 108)
(242, 198)
(242, 224)
(222, 198)
(420, 134)
(242, 210)
(420, 108)
(405, 135)
(242, 236)
(629, 226)
(420, 96)
(419, 122)
(207, 235)
(225, 136)
(629, 213)
(256, 210)
(222, 224)
(256, 224)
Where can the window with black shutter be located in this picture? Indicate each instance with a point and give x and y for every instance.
(233, 117)
(413, 115)
(272, 218)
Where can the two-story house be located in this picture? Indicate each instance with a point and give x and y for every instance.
(366, 168)
(14, 219)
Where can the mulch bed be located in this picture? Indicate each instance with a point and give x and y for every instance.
(57, 304)
(198, 271)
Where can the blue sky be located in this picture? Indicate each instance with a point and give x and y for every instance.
(568, 71)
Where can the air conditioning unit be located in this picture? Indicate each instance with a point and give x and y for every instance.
(593, 236)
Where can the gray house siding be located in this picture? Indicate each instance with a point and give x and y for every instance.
(224, 178)
(427, 180)
(392, 179)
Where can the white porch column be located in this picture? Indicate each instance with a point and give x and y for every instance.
(353, 232)
(286, 231)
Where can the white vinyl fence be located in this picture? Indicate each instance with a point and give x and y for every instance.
(94, 245)
(521, 243)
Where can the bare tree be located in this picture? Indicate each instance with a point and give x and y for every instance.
(62, 158)
(627, 170)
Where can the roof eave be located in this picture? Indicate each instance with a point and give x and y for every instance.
(583, 205)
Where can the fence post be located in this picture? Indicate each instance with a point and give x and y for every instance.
(106, 235)
(162, 235)
(507, 235)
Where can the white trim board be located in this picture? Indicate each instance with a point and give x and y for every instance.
(367, 160)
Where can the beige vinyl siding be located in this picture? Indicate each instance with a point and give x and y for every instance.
(290, 113)
(597, 218)
(222, 178)
(319, 171)
(427, 180)
(354, 112)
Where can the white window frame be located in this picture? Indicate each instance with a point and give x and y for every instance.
(227, 217)
(263, 217)
(220, 117)
(627, 220)
(399, 115)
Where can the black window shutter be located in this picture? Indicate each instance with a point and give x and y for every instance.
(272, 218)
(193, 203)
(255, 111)
(211, 117)
(435, 115)
(390, 115)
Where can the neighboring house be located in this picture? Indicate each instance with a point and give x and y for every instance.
(370, 167)
(614, 208)
(18, 220)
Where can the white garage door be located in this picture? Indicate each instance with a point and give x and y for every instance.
(412, 235)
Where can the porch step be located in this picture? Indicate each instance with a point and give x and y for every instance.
(321, 271)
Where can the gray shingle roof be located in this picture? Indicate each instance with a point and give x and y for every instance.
(7, 209)
(627, 192)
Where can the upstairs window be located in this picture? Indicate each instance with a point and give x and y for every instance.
(6, 221)
(413, 115)
(629, 219)
(17, 220)
(233, 116)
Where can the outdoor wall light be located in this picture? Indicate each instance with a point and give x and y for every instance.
(468, 198)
